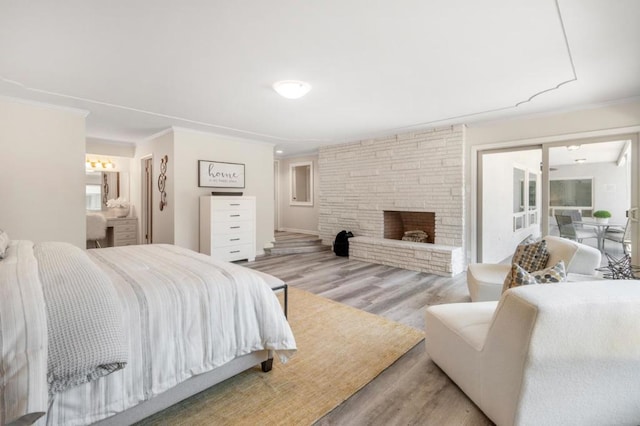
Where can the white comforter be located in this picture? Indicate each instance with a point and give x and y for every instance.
(185, 314)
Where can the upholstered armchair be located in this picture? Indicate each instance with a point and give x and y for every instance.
(485, 280)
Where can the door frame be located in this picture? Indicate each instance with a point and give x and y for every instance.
(480, 185)
(146, 200)
(276, 194)
(546, 143)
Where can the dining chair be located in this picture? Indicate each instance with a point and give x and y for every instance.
(622, 236)
(575, 215)
(569, 230)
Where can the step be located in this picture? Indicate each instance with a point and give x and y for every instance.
(293, 250)
(297, 243)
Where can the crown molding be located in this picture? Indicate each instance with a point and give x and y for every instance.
(81, 112)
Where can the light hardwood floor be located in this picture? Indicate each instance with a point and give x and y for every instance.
(413, 391)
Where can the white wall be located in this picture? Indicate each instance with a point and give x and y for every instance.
(191, 146)
(298, 218)
(42, 193)
(499, 237)
(610, 186)
(110, 147)
(163, 221)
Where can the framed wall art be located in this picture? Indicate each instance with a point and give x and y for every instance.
(216, 174)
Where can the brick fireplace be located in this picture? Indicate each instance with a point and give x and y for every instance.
(396, 223)
(364, 184)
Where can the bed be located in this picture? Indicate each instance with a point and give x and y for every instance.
(114, 335)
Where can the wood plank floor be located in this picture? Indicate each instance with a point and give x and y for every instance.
(413, 391)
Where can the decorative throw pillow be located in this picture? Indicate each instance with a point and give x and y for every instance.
(532, 257)
(518, 276)
(4, 243)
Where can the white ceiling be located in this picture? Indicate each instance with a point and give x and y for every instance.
(600, 152)
(376, 67)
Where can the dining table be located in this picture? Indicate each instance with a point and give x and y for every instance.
(600, 228)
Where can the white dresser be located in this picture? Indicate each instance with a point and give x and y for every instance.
(228, 227)
(122, 231)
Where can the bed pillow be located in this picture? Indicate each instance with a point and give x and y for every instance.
(518, 276)
(4, 243)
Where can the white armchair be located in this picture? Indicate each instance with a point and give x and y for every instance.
(549, 354)
(485, 280)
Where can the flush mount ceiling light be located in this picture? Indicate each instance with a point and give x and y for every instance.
(573, 147)
(580, 160)
(291, 89)
(279, 151)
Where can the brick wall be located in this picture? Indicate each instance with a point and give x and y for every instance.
(420, 171)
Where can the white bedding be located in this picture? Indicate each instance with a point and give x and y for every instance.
(184, 314)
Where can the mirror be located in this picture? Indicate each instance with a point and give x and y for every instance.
(103, 186)
(301, 175)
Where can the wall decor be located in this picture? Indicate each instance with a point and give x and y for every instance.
(162, 179)
(215, 174)
(105, 189)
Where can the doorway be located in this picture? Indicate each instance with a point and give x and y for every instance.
(522, 189)
(509, 200)
(146, 219)
(276, 195)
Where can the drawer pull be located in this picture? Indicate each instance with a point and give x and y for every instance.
(234, 227)
(234, 215)
(234, 239)
(235, 251)
(234, 204)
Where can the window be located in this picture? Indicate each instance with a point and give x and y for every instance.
(571, 193)
(93, 197)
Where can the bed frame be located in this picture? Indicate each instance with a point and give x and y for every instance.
(190, 387)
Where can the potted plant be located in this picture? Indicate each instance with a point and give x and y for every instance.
(602, 216)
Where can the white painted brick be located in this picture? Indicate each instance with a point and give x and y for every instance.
(413, 171)
(364, 173)
(405, 166)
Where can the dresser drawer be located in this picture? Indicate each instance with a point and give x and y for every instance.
(232, 216)
(122, 236)
(226, 204)
(224, 228)
(125, 228)
(126, 243)
(231, 239)
(234, 252)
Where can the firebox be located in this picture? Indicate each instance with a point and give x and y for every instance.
(399, 224)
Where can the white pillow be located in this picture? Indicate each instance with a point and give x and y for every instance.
(4, 243)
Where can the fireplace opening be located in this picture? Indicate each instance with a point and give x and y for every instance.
(410, 225)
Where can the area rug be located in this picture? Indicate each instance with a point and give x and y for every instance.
(340, 350)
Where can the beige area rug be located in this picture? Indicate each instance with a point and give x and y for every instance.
(340, 350)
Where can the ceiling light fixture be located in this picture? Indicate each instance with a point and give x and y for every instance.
(573, 147)
(291, 89)
(580, 160)
(279, 151)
